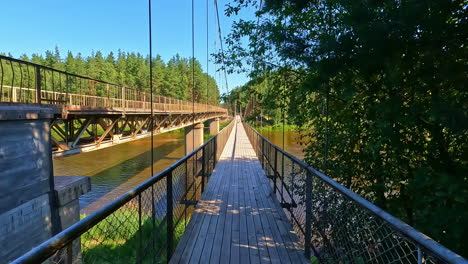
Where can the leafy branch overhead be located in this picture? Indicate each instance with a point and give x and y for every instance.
(380, 88)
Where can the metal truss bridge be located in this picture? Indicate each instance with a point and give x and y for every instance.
(92, 114)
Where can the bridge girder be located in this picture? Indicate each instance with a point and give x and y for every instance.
(83, 132)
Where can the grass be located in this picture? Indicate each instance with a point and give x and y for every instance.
(117, 239)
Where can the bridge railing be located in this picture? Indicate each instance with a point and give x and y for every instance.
(26, 82)
(142, 226)
(335, 224)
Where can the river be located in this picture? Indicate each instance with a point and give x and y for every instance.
(291, 141)
(117, 169)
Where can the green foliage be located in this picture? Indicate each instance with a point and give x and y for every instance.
(172, 79)
(383, 85)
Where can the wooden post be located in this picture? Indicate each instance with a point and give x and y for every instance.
(38, 85)
(123, 96)
(107, 104)
(13, 94)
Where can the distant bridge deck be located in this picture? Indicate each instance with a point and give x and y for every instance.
(238, 218)
(90, 114)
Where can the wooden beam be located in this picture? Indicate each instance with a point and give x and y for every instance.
(81, 130)
(98, 143)
(141, 126)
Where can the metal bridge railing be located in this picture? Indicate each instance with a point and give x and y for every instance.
(27, 82)
(335, 224)
(142, 226)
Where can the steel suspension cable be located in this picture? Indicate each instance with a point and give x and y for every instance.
(207, 55)
(221, 44)
(151, 86)
(193, 73)
(151, 126)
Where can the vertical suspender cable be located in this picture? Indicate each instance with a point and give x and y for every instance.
(207, 56)
(151, 86)
(151, 127)
(327, 101)
(193, 97)
(221, 44)
(283, 107)
(193, 73)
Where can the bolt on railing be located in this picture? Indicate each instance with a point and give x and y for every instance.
(142, 226)
(335, 224)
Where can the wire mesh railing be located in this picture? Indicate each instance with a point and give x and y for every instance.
(337, 225)
(27, 82)
(142, 226)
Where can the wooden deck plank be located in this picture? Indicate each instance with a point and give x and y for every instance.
(219, 231)
(238, 219)
(235, 212)
(280, 220)
(214, 209)
(286, 231)
(209, 209)
(246, 249)
(256, 223)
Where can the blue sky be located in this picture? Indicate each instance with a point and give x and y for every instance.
(31, 26)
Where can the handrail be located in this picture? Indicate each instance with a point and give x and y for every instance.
(16, 76)
(55, 70)
(423, 242)
(53, 245)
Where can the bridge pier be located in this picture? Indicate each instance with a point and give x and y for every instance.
(214, 126)
(34, 205)
(193, 137)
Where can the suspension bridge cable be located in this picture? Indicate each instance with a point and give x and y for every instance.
(221, 44)
(193, 74)
(207, 55)
(327, 98)
(151, 86)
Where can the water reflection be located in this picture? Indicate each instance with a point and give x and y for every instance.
(292, 141)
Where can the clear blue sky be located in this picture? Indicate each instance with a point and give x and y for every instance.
(31, 26)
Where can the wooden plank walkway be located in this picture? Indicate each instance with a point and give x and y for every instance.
(238, 219)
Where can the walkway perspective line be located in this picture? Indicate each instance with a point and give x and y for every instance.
(238, 219)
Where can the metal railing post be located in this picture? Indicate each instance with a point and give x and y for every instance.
(140, 232)
(38, 85)
(215, 150)
(275, 172)
(261, 154)
(203, 170)
(169, 216)
(308, 222)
